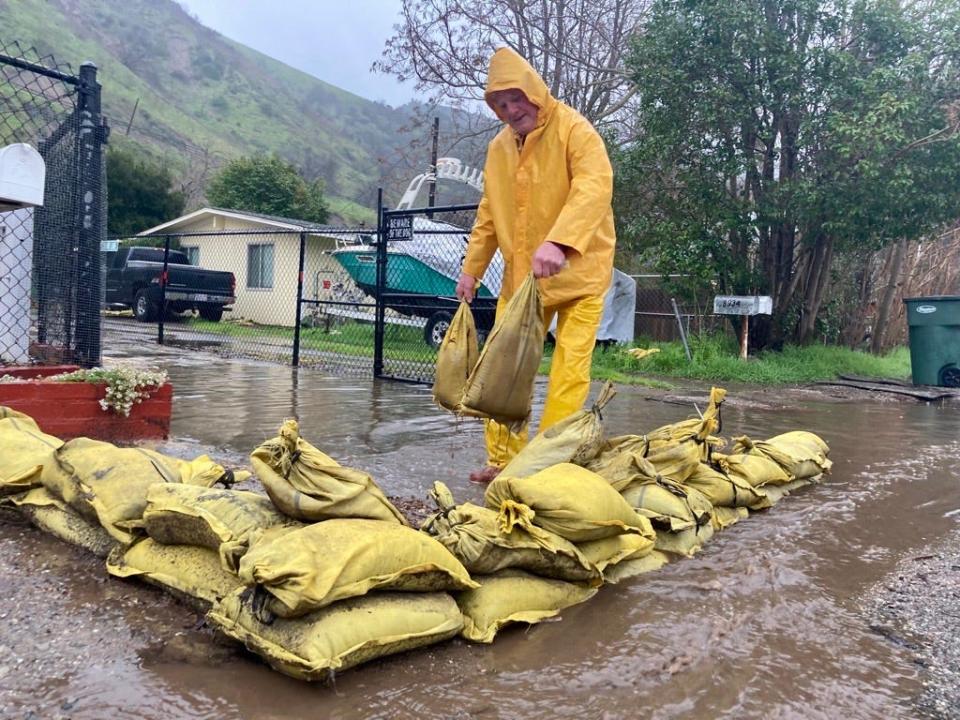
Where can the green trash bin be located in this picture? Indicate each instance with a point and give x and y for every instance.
(934, 339)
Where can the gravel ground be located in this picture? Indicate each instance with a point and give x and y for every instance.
(918, 607)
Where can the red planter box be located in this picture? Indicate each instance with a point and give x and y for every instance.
(72, 409)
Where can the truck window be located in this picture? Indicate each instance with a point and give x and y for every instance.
(156, 255)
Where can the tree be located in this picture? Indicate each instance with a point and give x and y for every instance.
(139, 194)
(268, 185)
(781, 134)
(577, 46)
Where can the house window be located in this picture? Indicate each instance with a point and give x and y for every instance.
(193, 254)
(260, 266)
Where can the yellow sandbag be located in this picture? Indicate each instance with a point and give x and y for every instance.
(53, 515)
(577, 440)
(606, 552)
(756, 469)
(309, 485)
(456, 359)
(501, 384)
(342, 635)
(800, 453)
(107, 484)
(627, 569)
(191, 515)
(204, 472)
(775, 493)
(700, 427)
(725, 490)
(513, 596)
(20, 482)
(685, 542)
(677, 462)
(668, 504)
(621, 462)
(316, 565)
(564, 499)
(723, 517)
(473, 535)
(190, 573)
(23, 446)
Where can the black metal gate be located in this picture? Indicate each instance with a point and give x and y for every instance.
(418, 258)
(50, 274)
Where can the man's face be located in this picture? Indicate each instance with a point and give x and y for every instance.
(514, 107)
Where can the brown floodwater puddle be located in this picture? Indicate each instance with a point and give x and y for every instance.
(765, 622)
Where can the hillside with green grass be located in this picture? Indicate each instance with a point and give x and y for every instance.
(201, 98)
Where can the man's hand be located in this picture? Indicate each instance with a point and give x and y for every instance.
(549, 259)
(466, 286)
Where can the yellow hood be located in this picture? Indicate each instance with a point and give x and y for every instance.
(508, 70)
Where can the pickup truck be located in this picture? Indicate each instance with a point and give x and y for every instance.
(134, 280)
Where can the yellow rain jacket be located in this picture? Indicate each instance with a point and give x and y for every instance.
(558, 187)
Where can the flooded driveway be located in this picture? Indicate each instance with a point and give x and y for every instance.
(767, 622)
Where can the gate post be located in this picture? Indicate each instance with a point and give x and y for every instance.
(299, 315)
(91, 136)
(381, 283)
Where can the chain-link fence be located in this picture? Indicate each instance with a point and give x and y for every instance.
(660, 312)
(276, 295)
(419, 263)
(50, 280)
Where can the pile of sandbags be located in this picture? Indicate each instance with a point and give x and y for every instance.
(322, 572)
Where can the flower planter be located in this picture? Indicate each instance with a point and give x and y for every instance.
(72, 409)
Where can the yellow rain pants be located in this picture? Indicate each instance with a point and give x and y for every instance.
(569, 383)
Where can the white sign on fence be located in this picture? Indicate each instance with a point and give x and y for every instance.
(743, 305)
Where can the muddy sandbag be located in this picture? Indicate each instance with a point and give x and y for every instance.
(699, 427)
(685, 542)
(576, 439)
(775, 493)
(316, 565)
(23, 447)
(756, 469)
(633, 567)
(190, 573)
(669, 505)
(513, 596)
(309, 485)
(800, 453)
(725, 490)
(622, 462)
(723, 517)
(107, 484)
(501, 384)
(677, 462)
(472, 533)
(609, 551)
(456, 359)
(178, 514)
(342, 635)
(565, 499)
(53, 515)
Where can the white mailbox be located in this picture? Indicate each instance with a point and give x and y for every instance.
(22, 177)
(743, 305)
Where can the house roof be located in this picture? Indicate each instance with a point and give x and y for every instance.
(272, 221)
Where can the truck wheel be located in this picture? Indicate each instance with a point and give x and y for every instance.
(213, 314)
(436, 328)
(144, 309)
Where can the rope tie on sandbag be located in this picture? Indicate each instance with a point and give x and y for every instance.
(514, 514)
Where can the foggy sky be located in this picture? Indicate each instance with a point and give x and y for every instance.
(334, 40)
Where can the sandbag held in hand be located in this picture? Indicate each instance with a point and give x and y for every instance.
(501, 384)
(456, 359)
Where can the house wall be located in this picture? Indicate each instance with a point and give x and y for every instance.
(266, 306)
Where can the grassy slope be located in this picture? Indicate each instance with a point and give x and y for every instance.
(202, 93)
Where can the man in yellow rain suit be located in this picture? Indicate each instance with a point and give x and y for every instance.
(546, 205)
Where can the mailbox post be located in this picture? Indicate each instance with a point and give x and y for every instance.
(744, 306)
